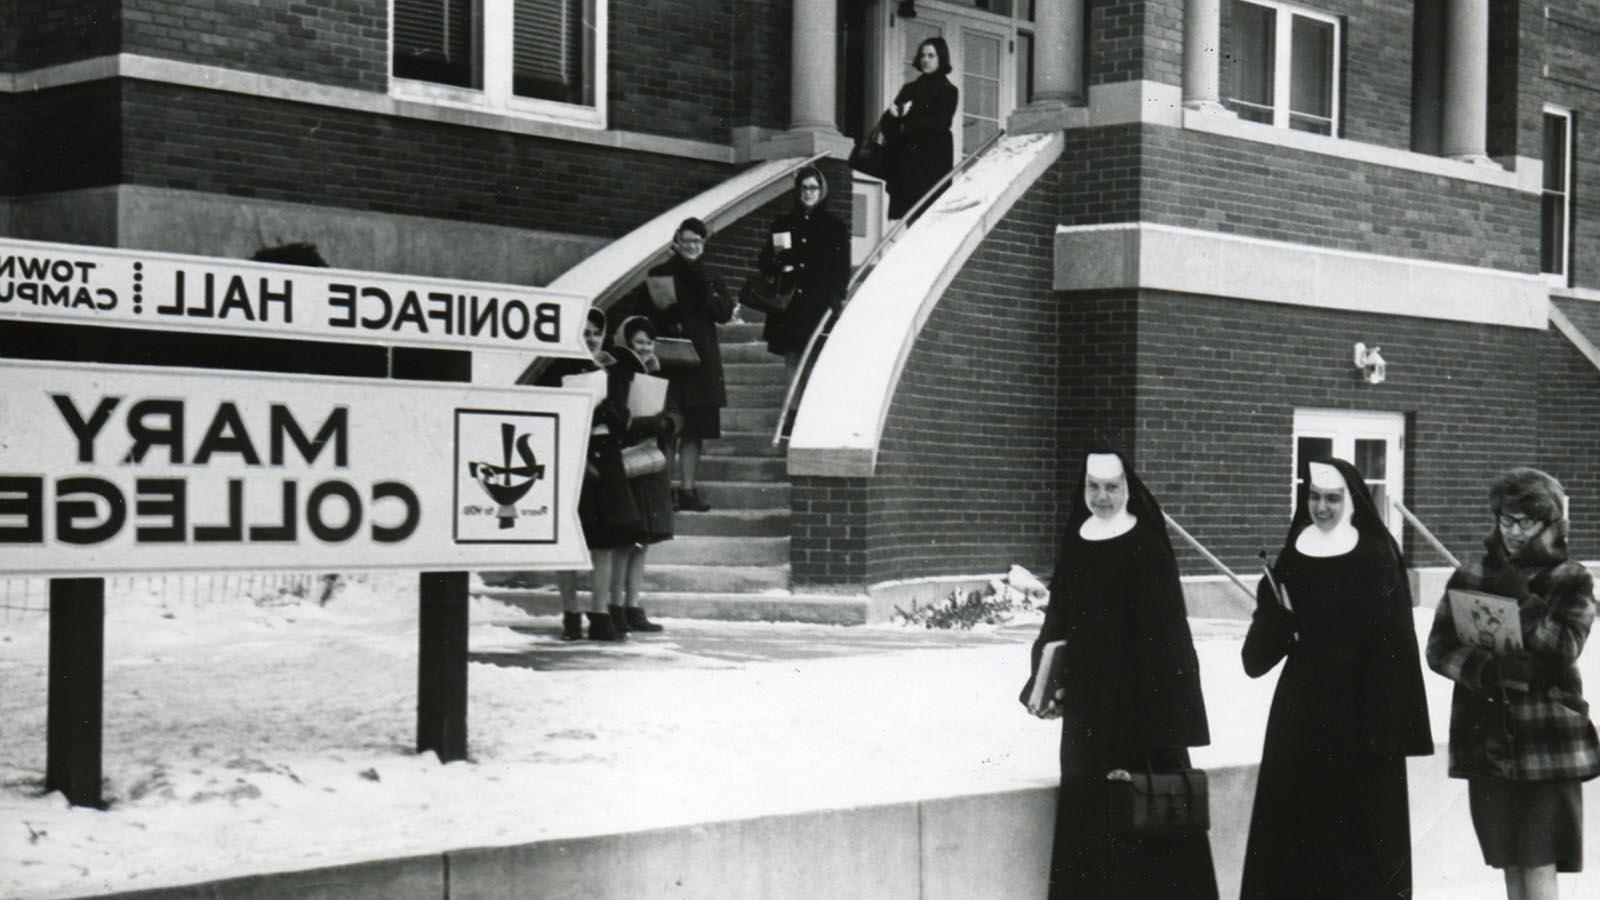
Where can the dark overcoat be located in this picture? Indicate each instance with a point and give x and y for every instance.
(920, 146)
(703, 303)
(816, 263)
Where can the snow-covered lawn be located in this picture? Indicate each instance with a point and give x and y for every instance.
(246, 737)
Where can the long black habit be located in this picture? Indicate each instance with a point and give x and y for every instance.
(1331, 818)
(1131, 699)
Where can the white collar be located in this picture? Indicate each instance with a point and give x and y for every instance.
(1095, 528)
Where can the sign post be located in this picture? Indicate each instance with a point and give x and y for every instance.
(442, 665)
(77, 670)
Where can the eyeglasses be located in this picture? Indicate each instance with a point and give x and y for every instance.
(1520, 524)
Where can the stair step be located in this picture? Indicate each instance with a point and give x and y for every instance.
(744, 494)
(737, 332)
(761, 395)
(767, 606)
(753, 352)
(755, 373)
(733, 523)
(719, 467)
(661, 576)
(750, 418)
(743, 443)
(720, 552)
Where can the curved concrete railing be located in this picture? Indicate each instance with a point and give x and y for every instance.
(839, 423)
(618, 266)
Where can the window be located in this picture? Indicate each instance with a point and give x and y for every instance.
(1555, 220)
(542, 58)
(1284, 66)
(1373, 441)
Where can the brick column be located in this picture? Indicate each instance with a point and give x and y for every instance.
(1464, 123)
(1202, 38)
(1057, 68)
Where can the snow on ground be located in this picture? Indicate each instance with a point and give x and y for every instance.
(246, 737)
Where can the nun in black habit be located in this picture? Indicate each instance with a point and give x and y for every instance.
(1331, 818)
(1131, 690)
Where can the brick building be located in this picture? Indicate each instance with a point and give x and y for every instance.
(1236, 194)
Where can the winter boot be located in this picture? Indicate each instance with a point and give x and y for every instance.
(689, 501)
(619, 619)
(637, 621)
(600, 628)
(571, 626)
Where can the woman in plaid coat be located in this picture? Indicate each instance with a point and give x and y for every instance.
(1519, 726)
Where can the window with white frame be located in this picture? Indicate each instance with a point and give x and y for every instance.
(1374, 442)
(1555, 221)
(1284, 66)
(539, 58)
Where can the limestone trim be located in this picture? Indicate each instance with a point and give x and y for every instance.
(1573, 333)
(1144, 255)
(272, 87)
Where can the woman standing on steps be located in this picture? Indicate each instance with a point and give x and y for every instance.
(807, 249)
(652, 492)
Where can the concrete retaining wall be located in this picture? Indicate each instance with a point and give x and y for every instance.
(975, 847)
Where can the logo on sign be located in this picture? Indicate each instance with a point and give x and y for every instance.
(503, 493)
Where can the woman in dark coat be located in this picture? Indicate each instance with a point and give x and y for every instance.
(1331, 817)
(807, 249)
(652, 492)
(917, 128)
(1130, 696)
(697, 303)
(1520, 733)
(606, 510)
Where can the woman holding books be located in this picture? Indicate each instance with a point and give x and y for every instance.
(1129, 696)
(1331, 817)
(1519, 727)
(652, 491)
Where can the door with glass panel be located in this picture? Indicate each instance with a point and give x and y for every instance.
(1373, 441)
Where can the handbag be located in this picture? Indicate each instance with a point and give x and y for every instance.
(870, 156)
(767, 293)
(643, 458)
(1157, 802)
(676, 354)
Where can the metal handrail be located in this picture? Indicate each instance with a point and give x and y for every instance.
(1210, 557)
(861, 272)
(1423, 530)
(633, 276)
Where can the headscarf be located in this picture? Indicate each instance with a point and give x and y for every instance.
(1530, 492)
(810, 172)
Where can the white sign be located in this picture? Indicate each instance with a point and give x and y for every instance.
(83, 285)
(107, 470)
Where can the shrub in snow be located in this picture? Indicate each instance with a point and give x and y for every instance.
(998, 603)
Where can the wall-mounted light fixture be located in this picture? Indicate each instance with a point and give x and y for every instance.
(1371, 363)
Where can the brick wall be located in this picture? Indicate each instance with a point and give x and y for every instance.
(42, 33)
(760, 52)
(228, 144)
(1100, 175)
(1135, 39)
(1569, 407)
(337, 42)
(1569, 44)
(968, 467)
(671, 68)
(1505, 77)
(1218, 382)
(828, 531)
(1244, 187)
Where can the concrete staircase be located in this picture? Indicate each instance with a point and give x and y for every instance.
(731, 562)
